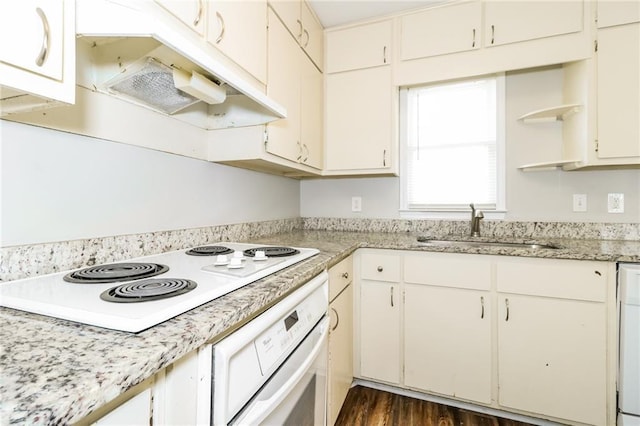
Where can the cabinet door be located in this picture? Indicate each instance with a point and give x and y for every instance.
(552, 357)
(191, 12)
(359, 111)
(239, 30)
(359, 47)
(284, 87)
(380, 331)
(340, 351)
(312, 39)
(447, 341)
(618, 93)
(289, 13)
(38, 25)
(311, 111)
(617, 12)
(135, 412)
(511, 22)
(441, 30)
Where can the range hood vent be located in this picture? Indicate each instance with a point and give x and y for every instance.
(127, 51)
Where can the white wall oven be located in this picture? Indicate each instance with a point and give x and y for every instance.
(273, 370)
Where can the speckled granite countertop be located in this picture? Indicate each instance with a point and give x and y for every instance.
(56, 372)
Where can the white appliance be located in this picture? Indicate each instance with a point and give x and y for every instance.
(273, 370)
(178, 282)
(629, 369)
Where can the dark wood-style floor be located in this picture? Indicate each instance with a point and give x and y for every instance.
(371, 407)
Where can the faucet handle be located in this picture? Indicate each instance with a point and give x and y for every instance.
(479, 215)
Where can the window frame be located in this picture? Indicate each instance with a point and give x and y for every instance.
(449, 212)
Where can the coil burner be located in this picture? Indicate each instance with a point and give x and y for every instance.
(209, 251)
(147, 290)
(115, 272)
(272, 251)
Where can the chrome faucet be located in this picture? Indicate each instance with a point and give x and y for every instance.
(475, 221)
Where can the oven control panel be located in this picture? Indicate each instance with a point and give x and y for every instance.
(279, 340)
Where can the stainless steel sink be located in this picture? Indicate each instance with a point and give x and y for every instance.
(468, 243)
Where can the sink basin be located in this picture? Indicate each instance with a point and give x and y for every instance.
(468, 243)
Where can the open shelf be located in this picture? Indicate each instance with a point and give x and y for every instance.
(557, 113)
(546, 166)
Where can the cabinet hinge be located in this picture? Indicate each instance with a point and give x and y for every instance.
(266, 138)
(595, 45)
(596, 147)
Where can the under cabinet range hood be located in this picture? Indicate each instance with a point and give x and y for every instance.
(127, 49)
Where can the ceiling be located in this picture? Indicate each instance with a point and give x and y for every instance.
(338, 12)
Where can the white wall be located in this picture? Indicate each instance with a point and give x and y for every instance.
(59, 186)
(531, 196)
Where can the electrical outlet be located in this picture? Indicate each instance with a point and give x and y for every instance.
(579, 202)
(615, 203)
(356, 204)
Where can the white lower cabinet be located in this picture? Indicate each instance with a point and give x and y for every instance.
(378, 347)
(134, 412)
(531, 336)
(442, 327)
(340, 351)
(380, 337)
(447, 315)
(552, 337)
(340, 366)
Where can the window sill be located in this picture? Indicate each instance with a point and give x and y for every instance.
(450, 214)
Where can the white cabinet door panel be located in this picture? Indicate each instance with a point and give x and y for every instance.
(380, 331)
(359, 119)
(31, 32)
(553, 357)
(447, 346)
(516, 21)
(618, 81)
(358, 47)
(441, 30)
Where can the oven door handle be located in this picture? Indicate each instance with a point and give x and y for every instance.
(262, 408)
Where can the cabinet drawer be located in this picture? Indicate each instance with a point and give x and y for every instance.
(380, 267)
(565, 279)
(448, 270)
(340, 276)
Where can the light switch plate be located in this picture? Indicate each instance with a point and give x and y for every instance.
(615, 203)
(356, 204)
(579, 202)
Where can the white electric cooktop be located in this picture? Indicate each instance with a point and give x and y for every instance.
(213, 276)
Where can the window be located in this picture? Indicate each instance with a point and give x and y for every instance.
(452, 146)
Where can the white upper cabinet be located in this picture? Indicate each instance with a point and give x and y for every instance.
(364, 46)
(38, 25)
(311, 114)
(511, 22)
(312, 38)
(303, 26)
(190, 12)
(441, 30)
(42, 61)
(618, 93)
(239, 30)
(615, 12)
(284, 86)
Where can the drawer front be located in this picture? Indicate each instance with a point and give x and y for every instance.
(380, 267)
(565, 279)
(340, 276)
(448, 270)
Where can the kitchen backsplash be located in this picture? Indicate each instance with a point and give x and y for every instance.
(496, 228)
(30, 260)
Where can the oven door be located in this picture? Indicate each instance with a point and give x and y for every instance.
(296, 393)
